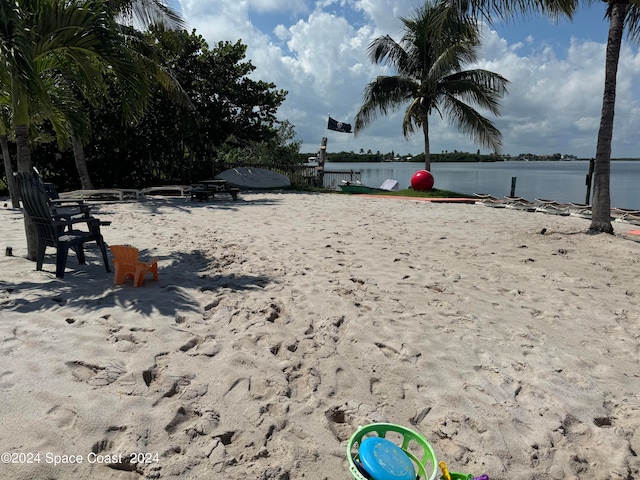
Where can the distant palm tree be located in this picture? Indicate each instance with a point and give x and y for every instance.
(438, 42)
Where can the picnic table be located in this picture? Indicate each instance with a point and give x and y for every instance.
(208, 188)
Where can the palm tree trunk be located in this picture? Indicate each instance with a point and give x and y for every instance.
(81, 164)
(24, 165)
(427, 148)
(8, 169)
(24, 154)
(601, 204)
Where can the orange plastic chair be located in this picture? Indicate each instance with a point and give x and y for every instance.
(127, 264)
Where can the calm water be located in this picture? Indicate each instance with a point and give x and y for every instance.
(560, 181)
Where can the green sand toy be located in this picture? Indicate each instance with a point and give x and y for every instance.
(414, 445)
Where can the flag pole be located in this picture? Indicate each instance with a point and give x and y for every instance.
(322, 157)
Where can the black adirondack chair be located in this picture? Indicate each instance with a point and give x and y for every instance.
(71, 208)
(55, 229)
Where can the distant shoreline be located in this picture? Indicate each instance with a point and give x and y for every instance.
(479, 161)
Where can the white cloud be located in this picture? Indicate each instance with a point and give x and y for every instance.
(317, 52)
(276, 6)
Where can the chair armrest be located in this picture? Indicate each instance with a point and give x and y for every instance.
(79, 207)
(65, 219)
(62, 221)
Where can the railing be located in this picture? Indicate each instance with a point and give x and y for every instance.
(332, 179)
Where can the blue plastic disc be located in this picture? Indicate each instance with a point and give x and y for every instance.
(384, 460)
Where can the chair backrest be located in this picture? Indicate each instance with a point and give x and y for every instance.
(125, 255)
(51, 190)
(36, 203)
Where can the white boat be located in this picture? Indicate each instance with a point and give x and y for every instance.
(249, 177)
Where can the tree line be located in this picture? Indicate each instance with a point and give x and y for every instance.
(228, 116)
(455, 156)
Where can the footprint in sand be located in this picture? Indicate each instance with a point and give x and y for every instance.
(207, 421)
(199, 345)
(6, 380)
(96, 375)
(405, 353)
(181, 387)
(182, 415)
(126, 342)
(338, 422)
(107, 447)
(302, 384)
(63, 417)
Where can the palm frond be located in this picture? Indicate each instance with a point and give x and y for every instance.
(479, 87)
(386, 51)
(64, 110)
(468, 120)
(632, 22)
(382, 96)
(508, 10)
(143, 14)
(414, 116)
(451, 59)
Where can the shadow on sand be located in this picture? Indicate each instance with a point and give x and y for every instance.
(182, 276)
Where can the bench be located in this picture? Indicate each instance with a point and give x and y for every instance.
(119, 193)
(182, 190)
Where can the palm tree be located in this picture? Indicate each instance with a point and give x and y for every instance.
(601, 204)
(5, 121)
(437, 43)
(46, 38)
(39, 41)
(621, 14)
(134, 100)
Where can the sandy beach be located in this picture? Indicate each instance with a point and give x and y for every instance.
(283, 321)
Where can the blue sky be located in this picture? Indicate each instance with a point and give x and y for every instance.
(317, 52)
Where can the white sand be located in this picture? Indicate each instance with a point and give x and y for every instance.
(282, 322)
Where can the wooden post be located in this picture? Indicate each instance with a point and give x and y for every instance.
(322, 157)
(513, 186)
(587, 200)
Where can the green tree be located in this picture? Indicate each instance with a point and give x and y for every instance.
(172, 143)
(144, 14)
(282, 148)
(437, 43)
(38, 40)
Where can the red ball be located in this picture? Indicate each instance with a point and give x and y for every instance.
(422, 181)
